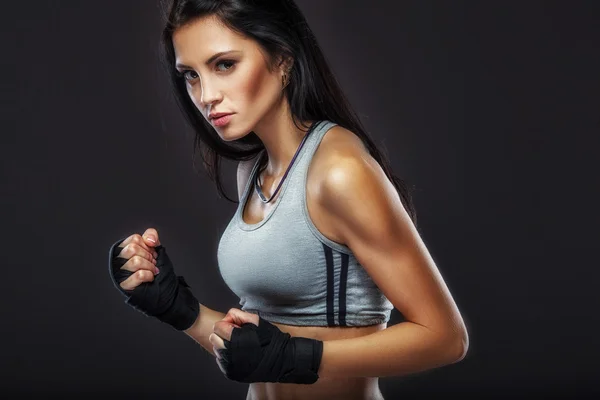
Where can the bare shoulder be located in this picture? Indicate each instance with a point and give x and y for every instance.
(335, 171)
(338, 145)
(345, 171)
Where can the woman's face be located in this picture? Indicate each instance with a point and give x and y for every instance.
(237, 82)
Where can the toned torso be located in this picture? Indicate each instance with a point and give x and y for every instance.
(254, 211)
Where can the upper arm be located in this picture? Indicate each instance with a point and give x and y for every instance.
(370, 218)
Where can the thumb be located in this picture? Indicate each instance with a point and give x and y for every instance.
(151, 237)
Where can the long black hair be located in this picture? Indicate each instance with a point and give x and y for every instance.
(313, 92)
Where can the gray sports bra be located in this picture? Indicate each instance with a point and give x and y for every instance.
(283, 269)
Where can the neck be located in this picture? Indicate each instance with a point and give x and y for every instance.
(280, 137)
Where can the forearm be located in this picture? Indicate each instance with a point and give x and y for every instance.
(401, 349)
(203, 327)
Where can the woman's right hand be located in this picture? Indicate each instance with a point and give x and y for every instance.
(141, 270)
(139, 251)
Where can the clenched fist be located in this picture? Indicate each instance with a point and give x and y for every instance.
(140, 258)
(133, 264)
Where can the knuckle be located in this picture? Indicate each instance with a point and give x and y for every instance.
(139, 242)
(131, 249)
(128, 284)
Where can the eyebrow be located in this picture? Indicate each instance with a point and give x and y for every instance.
(210, 60)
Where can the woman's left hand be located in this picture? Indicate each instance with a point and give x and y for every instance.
(222, 329)
(250, 349)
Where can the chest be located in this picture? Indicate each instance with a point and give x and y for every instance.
(255, 210)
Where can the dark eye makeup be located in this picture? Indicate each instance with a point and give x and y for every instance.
(227, 63)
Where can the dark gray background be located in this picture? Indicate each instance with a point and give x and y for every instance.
(490, 109)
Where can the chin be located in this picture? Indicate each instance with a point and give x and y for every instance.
(229, 135)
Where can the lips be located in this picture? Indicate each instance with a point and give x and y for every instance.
(221, 121)
(217, 115)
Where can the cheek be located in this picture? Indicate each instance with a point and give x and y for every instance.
(254, 80)
(194, 93)
(257, 89)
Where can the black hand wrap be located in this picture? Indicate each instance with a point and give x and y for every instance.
(167, 298)
(265, 354)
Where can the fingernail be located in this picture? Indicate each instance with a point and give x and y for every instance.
(151, 239)
(156, 270)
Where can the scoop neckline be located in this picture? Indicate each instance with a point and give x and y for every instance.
(240, 211)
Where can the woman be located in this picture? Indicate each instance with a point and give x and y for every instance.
(323, 244)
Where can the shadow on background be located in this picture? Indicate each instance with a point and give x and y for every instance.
(490, 109)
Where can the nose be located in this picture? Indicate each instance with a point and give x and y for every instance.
(210, 93)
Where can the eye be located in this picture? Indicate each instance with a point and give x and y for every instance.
(183, 74)
(228, 63)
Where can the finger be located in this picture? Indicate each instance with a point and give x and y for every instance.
(216, 341)
(223, 329)
(239, 317)
(231, 320)
(137, 263)
(137, 239)
(151, 237)
(233, 316)
(137, 279)
(133, 249)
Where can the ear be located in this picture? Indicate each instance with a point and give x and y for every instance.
(285, 63)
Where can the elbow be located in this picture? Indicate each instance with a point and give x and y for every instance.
(460, 346)
(452, 347)
(455, 345)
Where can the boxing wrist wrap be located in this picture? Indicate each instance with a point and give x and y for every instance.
(265, 354)
(168, 297)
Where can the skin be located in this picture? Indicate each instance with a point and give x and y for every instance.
(342, 178)
(241, 82)
(247, 88)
